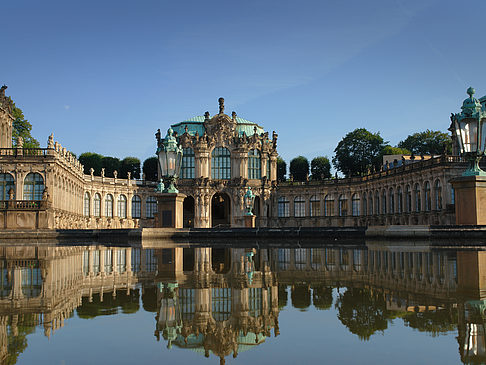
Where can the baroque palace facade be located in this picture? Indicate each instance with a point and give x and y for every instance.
(223, 155)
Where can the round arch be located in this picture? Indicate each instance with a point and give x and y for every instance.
(220, 210)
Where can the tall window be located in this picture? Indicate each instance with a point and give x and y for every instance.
(370, 201)
(328, 206)
(220, 163)
(188, 164)
(400, 199)
(33, 186)
(355, 205)
(97, 205)
(109, 206)
(122, 206)
(438, 195)
(136, 207)
(428, 200)
(299, 207)
(315, 206)
(343, 206)
(408, 195)
(377, 203)
(6, 183)
(87, 201)
(365, 204)
(418, 199)
(383, 202)
(151, 207)
(391, 194)
(254, 164)
(283, 207)
(269, 165)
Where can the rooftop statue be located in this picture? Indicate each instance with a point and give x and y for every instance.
(221, 105)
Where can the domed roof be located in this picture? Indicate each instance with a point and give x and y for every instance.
(196, 124)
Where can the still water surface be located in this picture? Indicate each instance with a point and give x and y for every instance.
(368, 304)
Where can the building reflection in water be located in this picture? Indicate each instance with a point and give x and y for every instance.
(224, 301)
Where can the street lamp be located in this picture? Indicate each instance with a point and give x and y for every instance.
(170, 318)
(170, 158)
(470, 128)
(249, 200)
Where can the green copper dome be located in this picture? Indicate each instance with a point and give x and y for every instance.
(196, 124)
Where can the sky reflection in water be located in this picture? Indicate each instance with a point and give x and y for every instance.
(368, 304)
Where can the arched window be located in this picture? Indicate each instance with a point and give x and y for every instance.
(328, 206)
(383, 202)
(391, 194)
(342, 206)
(299, 207)
(136, 207)
(150, 207)
(6, 183)
(377, 203)
(400, 200)
(220, 163)
(315, 206)
(453, 196)
(418, 199)
(87, 203)
(370, 201)
(355, 205)
(254, 164)
(365, 204)
(269, 165)
(121, 206)
(33, 186)
(283, 207)
(428, 200)
(438, 195)
(187, 167)
(109, 206)
(408, 195)
(97, 205)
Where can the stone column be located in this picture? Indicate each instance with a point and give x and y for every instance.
(470, 199)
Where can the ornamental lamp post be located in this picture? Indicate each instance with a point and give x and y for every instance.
(249, 201)
(470, 129)
(469, 126)
(170, 318)
(170, 158)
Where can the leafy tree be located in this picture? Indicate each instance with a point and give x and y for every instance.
(357, 152)
(322, 297)
(320, 168)
(281, 169)
(282, 296)
(150, 168)
(299, 168)
(22, 128)
(91, 160)
(132, 165)
(301, 296)
(427, 143)
(111, 164)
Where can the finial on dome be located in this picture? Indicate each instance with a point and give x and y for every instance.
(470, 91)
(221, 105)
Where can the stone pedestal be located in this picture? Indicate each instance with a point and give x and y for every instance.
(470, 199)
(250, 221)
(170, 210)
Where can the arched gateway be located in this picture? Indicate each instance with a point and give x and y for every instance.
(220, 210)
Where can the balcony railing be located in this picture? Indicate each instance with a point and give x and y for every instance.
(23, 205)
(23, 152)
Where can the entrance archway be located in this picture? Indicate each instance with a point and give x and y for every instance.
(220, 210)
(188, 212)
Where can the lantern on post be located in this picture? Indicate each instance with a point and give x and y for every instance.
(170, 317)
(249, 200)
(470, 130)
(170, 158)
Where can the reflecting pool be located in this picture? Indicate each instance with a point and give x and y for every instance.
(370, 304)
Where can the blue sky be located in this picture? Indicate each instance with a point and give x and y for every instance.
(104, 75)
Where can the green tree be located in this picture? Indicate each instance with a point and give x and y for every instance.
(320, 168)
(357, 152)
(150, 168)
(322, 297)
(91, 160)
(111, 164)
(132, 165)
(299, 168)
(22, 128)
(281, 169)
(427, 143)
(301, 296)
